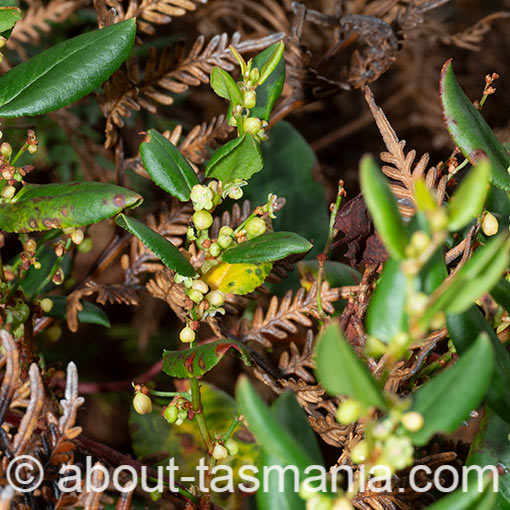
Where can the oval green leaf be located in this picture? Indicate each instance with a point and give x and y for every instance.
(266, 429)
(383, 208)
(197, 361)
(386, 314)
(238, 159)
(270, 90)
(267, 248)
(468, 199)
(448, 398)
(225, 86)
(342, 372)
(66, 72)
(464, 329)
(469, 130)
(167, 166)
(74, 204)
(163, 248)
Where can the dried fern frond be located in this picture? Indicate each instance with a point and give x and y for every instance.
(284, 317)
(471, 38)
(162, 286)
(174, 71)
(116, 293)
(147, 12)
(400, 165)
(293, 362)
(198, 143)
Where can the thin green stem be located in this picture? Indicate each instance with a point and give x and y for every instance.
(196, 406)
(171, 394)
(18, 155)
(331, 235)
(233, 425)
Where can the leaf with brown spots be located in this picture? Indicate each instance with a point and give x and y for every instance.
(74, 204)
(198, 360)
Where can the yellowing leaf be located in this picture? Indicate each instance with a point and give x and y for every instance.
(237, 278)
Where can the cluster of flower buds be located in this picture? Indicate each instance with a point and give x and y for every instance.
(222, 449)
(386, 442)
(176, 412)
(315, 500)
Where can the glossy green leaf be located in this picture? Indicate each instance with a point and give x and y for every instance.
(383, 208)
(8, 17)
(467, 201)
(270, 90)
(66, 72)
(267, 248)
(225, 86)
(73, 204)
(163, 248)
(167, 166)
(464, 329)
(266, 429)
(471, 499)
(490, 448)
(238, 159)
(475, 278)
(198, 360)
(448, 398)
(469, 130)
(386, 315)
(342, 372)
(91, 313)
(289, 414)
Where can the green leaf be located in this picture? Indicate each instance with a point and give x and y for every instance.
(266, 429)
(386, 315)
(468, 199)
(474, 279)
(471, 499)
(342, 372)
(448, 398)
(8, 17)
(490, 448)
(270, 90)
(290, 415)
(66, 72)
(73, 204)
(464, 329)
(469, 130)
(225, 86)
(383, 208)
(91, 314)
(198, 360)
(167, 166)
(164, 249)
(267, 248)
(238, 159)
